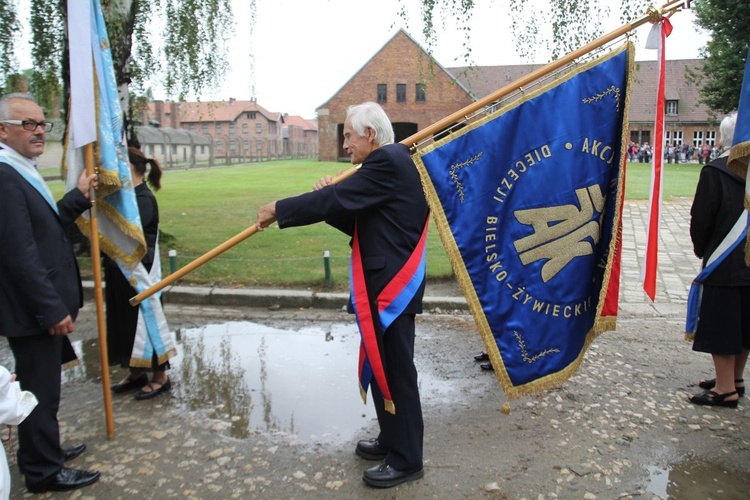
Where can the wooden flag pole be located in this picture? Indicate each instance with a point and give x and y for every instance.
(88, 153)
(653, 15)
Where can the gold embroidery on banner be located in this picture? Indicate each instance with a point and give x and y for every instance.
(513, 392)
(614, 91)
(561, 232)
(454, 174)
(525, 353)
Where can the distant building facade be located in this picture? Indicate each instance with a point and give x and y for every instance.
(300, 137)
(237, 131)
(414, 91)
(416, 95)
(686, 121)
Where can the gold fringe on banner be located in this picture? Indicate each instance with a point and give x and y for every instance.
(454, 256)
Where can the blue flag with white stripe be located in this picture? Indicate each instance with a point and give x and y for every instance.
(95, 115)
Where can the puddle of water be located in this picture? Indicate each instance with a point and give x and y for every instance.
(696, 480)
(260, 378)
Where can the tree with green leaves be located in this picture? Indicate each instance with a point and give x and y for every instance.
(728, 24)
(191, 55)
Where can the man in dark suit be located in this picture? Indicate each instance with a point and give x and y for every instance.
(40, 290)
(383, 208)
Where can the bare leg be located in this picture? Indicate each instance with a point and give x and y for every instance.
(725, 369)
(739, 366)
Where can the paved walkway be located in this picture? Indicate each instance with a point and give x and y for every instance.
(677, 264)
(616, 427)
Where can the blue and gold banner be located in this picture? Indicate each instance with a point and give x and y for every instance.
(739, 155)
(527, 203)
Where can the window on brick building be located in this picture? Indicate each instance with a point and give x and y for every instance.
(382, 92)
(677, 138)
(218, 145)
(259, 128)
(400, 92)
(218, 128)
(420, 95)
(671, 108)
(711, 137)
(259, 146)
(244, 128)
(204, 128)
(232, 128)
(698, 138)
(251, 115)
(191, 127)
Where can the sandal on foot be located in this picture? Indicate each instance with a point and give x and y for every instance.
(130, 384)
(155, 391)
(713, 398)
(711, 383)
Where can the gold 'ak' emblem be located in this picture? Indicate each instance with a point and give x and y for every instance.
(525, 353)
(561, 233)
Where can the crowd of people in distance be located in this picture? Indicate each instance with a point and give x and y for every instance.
(675, 153)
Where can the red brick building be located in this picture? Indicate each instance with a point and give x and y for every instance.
(238, 129)
(300, 137)
(414, 91)
(416, 94)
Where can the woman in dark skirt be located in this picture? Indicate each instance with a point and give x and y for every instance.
(122, 318)
(723, 328)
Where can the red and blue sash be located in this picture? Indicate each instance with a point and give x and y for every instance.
(391, 302)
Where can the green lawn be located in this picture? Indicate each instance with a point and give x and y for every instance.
(202, 208)
(679, 180)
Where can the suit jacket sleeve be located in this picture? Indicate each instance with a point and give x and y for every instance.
(371, 186)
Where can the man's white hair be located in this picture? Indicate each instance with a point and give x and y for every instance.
(371, 115)
(726, 130)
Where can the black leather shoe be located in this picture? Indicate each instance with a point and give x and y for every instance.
(385, 476)
(141, 394)
(130, 384)
(67, 479)
(487, 366)
(370, 449)
(482, 356)
(71, 453)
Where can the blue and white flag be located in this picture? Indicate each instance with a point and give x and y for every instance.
(95, 115)
(527, 202)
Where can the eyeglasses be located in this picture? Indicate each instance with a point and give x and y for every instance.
(30, 125)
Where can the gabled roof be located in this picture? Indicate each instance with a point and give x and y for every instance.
(676, 87)
(168, 135)
(222, 111)
(301, 122)
(483, 80)
(401, 30)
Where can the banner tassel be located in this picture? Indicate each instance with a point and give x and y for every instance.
(390, 407)
(505, 410)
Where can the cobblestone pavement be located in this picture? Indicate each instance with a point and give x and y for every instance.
(620, 428)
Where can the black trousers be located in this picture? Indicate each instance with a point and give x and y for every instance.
(38, 366)
(403, 432)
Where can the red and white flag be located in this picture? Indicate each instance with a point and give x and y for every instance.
(656, 38)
